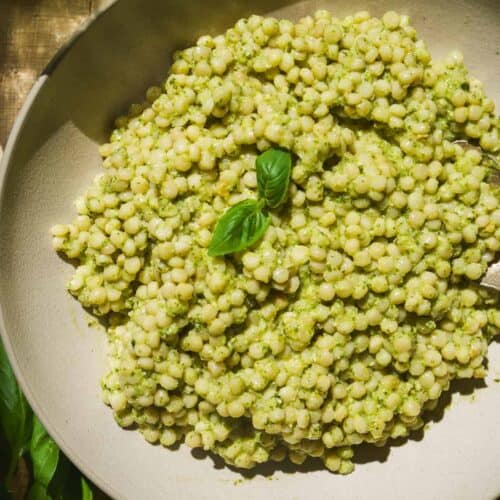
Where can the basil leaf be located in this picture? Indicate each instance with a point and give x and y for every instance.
(38, 492)
(86, 491)
(273, 167)
(44, 454)
(240, 227)
(15, 414)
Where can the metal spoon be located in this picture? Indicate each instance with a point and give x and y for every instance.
(492, 277)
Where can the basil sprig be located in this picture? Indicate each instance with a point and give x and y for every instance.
(245, 223)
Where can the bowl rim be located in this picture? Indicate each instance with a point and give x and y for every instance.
(5, 166)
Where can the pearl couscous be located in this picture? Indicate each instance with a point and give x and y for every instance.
(361, 302)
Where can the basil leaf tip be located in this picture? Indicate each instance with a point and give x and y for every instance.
(87, 493)
(273, 175)
(44, 454)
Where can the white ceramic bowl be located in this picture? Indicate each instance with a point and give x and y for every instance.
(52, 155)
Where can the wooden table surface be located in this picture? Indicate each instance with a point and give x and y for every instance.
(31, 32)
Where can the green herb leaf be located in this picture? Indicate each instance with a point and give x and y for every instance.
(38, 492)
(240, 227)
(44, 454)
(15, 414)
(273, 175)
(86, 491)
